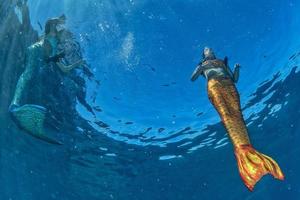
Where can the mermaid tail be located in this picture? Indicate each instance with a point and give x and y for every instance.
(252, 164)
(31, 118)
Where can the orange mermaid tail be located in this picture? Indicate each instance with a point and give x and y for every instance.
(252, 165)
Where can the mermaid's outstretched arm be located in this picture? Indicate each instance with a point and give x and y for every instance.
(197, 72)
(236, 73)
(68, 68)
(233, 75)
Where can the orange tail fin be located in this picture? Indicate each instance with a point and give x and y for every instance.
(254, 165)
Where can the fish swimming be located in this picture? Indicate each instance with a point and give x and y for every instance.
(225, 98)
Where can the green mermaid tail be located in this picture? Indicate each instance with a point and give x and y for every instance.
(31, 118)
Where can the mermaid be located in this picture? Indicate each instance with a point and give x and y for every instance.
(42, 57)
(224, 96)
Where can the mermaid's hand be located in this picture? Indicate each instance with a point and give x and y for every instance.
(61, 54)
(68, 68)
(237, 66)
(56, 58)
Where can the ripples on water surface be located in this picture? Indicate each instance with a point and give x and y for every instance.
(156, 134)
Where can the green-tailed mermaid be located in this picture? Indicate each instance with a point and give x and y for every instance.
(31, 117)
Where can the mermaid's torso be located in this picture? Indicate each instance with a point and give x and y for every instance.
(214, 69)
(47, 84)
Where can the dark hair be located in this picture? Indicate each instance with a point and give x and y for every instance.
(48, 26)
(211, 56)
(53, 22)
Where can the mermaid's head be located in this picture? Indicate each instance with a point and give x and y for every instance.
(208, 54)
(55, 25)
(19, 3)
(53, 28)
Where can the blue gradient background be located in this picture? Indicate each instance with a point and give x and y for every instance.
(144, 52)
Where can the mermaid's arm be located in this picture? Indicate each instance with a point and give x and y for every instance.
(236, 73)
(197, 72)
(225, 60)
(233, 75)
(68, 68)
(56, 57)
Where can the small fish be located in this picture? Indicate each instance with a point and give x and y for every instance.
(147, 130)
(293, 56)
(93, 98)
(161, 130)
(199, 114)
(117, 99)
(97, 82)
(114, 132)
(40, 25)
(101, 124)
(150, 67)
(97, 108)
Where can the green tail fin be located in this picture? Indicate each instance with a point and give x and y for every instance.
(31, 118)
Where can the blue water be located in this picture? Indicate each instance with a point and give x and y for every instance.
(162, 138)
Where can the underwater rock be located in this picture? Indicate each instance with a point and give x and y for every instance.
(15, 37)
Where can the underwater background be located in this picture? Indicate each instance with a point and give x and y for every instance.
(151, 133)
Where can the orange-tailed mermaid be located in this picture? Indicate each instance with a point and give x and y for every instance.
(224, 96)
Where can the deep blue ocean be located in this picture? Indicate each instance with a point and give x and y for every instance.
(155, 135)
